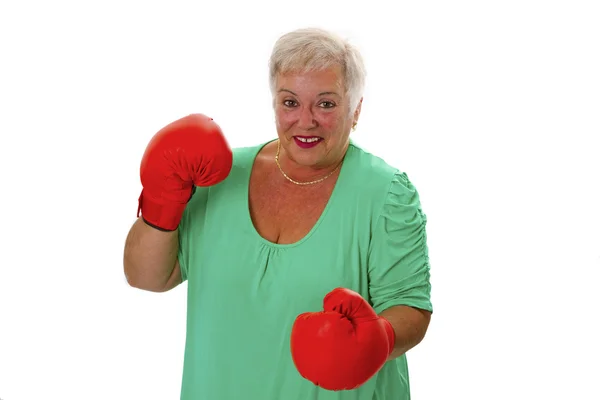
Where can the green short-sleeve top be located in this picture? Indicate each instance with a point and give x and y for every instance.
(244, 292)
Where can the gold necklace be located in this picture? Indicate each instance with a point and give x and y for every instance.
(296, 182)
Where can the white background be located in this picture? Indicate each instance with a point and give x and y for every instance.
(492, 108)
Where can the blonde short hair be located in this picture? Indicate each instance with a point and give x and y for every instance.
(315, 49)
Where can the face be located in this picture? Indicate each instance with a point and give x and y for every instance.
(312, 118)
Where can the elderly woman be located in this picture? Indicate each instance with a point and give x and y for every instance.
(306, 256)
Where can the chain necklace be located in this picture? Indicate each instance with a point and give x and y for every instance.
(296, 182)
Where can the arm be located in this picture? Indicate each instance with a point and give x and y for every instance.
(399, 267)
(410, 325)
(338, 355)
(150, 258)
(187, 152)
(343, 346)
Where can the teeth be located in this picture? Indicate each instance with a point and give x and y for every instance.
(310, 140)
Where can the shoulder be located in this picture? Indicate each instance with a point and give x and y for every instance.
(374, 172)
(382, 184)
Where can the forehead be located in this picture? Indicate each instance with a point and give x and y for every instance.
(330, 79)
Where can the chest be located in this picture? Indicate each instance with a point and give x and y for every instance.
(285, 213)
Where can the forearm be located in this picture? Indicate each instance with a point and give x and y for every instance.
(410, 325)
(150, 256)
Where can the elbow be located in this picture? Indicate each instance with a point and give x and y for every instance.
(144, 285)
(130, 278)
(129, 270)
(138, 280)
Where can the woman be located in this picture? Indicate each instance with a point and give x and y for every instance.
(306, 257)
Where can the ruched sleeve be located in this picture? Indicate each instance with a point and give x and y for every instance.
(398, 255)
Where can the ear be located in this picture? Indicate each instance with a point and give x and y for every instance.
(357, 111)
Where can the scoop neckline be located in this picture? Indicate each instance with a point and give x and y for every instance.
(328, 206)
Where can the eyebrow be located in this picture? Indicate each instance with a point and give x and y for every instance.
(320, 94)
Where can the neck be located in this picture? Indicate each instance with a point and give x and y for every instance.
(306, 175)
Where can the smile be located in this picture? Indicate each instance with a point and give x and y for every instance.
(308, 139)
(307, 142)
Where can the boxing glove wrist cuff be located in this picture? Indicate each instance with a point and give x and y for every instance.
(159, 214)
(156, 227)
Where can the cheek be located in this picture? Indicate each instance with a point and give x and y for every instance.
(331, 122)
(284, 119)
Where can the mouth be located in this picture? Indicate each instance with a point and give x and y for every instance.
(308, 139)
(307, 142)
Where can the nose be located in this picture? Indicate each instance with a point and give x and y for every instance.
(306, 120)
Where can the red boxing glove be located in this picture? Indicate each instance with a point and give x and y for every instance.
(187, 152)
(343, 346)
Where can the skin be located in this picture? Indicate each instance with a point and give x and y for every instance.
(309, 104)
(315, 104)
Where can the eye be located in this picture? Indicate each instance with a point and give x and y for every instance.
(289, 103)
(327, 104)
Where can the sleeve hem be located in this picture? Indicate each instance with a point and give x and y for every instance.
(422, 305)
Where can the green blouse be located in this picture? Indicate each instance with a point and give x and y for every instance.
(244, 292)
